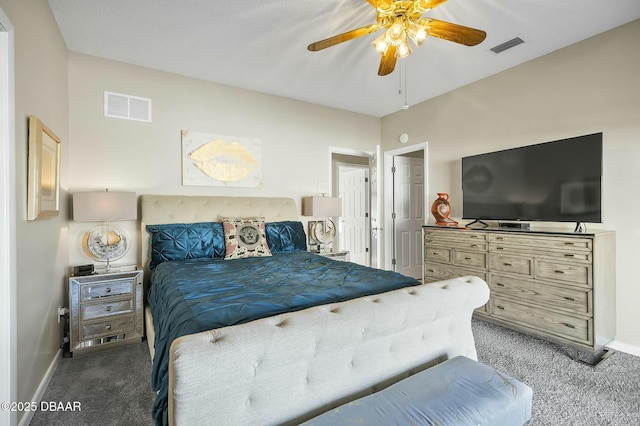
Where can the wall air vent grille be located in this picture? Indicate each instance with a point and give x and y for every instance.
(129, 107)
(507, 45)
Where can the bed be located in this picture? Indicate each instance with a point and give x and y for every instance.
(331, 331)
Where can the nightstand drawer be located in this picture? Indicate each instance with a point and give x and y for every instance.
(113, 326)
(109, 288)
(98, 310)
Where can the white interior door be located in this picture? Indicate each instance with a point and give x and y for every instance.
(354, 229)
(408, 215)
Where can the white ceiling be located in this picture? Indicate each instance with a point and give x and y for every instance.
(261, 44)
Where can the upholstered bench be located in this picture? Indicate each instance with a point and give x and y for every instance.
(457, 392)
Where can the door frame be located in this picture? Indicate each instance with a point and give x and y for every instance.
(8, 280)
(388, 194)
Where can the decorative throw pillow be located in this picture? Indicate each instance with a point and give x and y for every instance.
(179, 241)
(286, 236)
(245, 238)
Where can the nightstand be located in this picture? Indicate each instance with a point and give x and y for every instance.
(342, 255)
(105, 310)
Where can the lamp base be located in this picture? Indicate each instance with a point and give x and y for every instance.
(106, 243)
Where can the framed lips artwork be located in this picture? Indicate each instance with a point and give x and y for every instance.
(219, 160)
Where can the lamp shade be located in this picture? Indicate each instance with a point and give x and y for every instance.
(104, 205)
(321, 206)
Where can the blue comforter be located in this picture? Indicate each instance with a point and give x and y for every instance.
(191, 296)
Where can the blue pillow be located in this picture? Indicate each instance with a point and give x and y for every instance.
(286, 236)
(179, 241)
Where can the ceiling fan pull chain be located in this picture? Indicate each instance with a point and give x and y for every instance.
(400, 78)
(403, 69)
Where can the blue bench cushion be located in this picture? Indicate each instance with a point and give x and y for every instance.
(457, 392)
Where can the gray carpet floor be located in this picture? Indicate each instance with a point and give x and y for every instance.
(113, 386)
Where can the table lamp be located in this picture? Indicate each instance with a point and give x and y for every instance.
(106, 242)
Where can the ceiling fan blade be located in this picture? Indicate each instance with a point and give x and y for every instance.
(341, 38)
(454, 32)
(388, 61)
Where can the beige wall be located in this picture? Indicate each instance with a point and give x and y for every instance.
(42, 252)
(589, 87)
(146, 157)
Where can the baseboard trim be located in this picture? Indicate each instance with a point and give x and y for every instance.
(44, 383)
(624, 347)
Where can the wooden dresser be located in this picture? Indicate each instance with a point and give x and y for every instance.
(557, 285)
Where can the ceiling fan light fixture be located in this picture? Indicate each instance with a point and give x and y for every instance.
(396, 33)
(404, 49)
(380, 44)
(418, 33)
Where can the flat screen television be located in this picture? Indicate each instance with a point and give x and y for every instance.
(558, 181)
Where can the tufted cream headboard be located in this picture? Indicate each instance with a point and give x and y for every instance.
(161, 209)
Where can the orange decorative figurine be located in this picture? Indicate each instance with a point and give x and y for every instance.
(440, 209)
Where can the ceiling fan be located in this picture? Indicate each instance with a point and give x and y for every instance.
(402, 20)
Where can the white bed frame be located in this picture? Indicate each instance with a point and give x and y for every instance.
(291, 367)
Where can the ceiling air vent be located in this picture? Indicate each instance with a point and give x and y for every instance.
(507, 45)
(129, 107)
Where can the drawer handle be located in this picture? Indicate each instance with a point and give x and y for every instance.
(557, 271)
(108, 327)
(467, 258)
(569, 255)
(507, 264)
(108, 289)
(570, 299)
(499, 248)
(569, 325)
(569, 244)
(474, 245)
(500, 284)
(499, 307)
(431, 241)
(431, 270)
(499, 238)
(108, 308)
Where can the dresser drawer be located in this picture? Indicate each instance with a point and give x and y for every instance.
(436, 272)
(437, 254)
(542, 251)
(543, 321)
(577, 274)
(512, 264)
(108, 288)
(531, 291)
(110, 327)
(467, 244)
(468, 258)
(560, 244)
(98, 310)
(453, 235)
